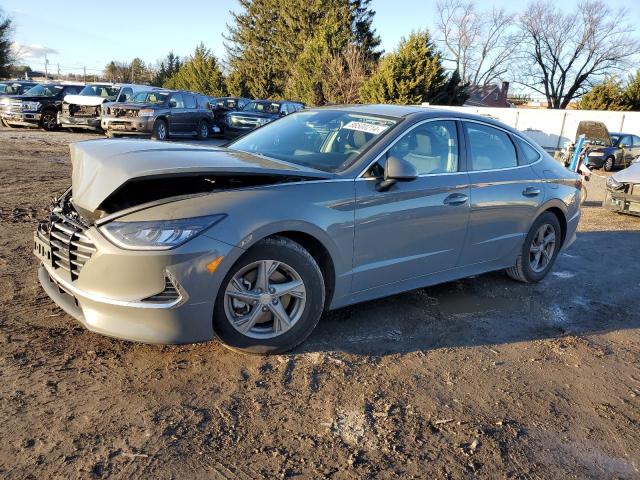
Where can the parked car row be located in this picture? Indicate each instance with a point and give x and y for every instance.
(129, 109)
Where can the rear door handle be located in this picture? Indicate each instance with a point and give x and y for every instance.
(456, 199)
(531, 192)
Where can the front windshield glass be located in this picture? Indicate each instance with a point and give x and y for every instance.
(44, 90)
(262, 107)
(149, 97)
(327, 140)
(104, 91)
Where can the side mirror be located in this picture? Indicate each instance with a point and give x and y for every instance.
(283, 113)
(396, 170)
(173, 104)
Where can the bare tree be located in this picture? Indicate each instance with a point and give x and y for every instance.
(346, 72)
(481, 44)
(563, 54)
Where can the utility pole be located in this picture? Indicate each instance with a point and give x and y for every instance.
(46, 64)
(84, 74)
(58, 71)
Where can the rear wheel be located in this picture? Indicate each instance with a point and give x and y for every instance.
(608, 164)
(160, 130)
(49, 120)
(271, 299)
(539, 250)
(203, 130)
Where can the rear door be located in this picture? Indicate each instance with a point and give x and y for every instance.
(505, 194)
(415, 228)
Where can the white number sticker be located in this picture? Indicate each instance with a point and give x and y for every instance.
(366, 127)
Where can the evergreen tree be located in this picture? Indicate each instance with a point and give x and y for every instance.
(168, 67)
(412, 74)
(454, 92)
(200, 73)
(6, 55)
(631, 93)
(607, 95)
(267, 38)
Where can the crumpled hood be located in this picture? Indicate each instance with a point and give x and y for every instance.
(86, 100)
(594, 131)
(100, 167)
(630, 174)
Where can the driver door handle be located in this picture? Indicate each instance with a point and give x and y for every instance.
(531, 192)
(456, 199)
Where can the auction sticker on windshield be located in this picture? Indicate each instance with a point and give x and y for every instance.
(366, 127)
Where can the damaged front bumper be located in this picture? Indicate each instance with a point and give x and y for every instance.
(626, 200)
(25, 119)
(164, 296)
(128, 125)
(87, 123)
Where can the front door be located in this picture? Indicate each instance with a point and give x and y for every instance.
(415, 228)
(177, 121)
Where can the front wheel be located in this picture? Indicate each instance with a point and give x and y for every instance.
(608, 164)
(271, 299)
(49, 121)
(539, 250)
(160, 130)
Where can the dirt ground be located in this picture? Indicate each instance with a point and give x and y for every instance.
(482, 378)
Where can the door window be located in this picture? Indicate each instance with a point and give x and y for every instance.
(189, 101)
(431, 147)
(176, 101)
(490, 148)
(625, 141)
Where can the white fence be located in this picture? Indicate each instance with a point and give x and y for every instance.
(551, 129)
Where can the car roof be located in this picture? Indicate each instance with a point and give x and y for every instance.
(379, 109)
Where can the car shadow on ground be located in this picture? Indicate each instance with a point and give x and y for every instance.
(593, 288)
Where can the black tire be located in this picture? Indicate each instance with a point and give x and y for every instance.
(292, 254)
(160, 130)
(608, 164)
(523, 270)
(203, 130)
(49, 120)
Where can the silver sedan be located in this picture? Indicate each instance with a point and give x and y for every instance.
(170, 243)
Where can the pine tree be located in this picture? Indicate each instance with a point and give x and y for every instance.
(454, 92)
(200, 73)
(412, 74)
(6, 55)
(607, 95)
(168, 67)
(631, 93)
(268, 38)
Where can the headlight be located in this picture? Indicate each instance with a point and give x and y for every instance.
(613, 184)
(263, 121)
(145, 112)
(157, 235)
(31, 105)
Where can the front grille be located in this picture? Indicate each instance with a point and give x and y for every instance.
(122, 112)
(70, 247)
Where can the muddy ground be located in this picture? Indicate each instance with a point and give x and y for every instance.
(478, 378)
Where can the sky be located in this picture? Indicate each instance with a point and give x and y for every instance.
(77, 34)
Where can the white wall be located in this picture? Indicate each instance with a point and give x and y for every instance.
(551, 129)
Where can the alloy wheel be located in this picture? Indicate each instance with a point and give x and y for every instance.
(542, 248)
(265, 299)
(204, 130)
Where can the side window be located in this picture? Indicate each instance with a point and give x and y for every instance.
(189, 101)
(529, 154)
(284, 109)
(490, 148)
(431, 147)
(636, 141)
(177, 99)
(625, 141)
(125, 94)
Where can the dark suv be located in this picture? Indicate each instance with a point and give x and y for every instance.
(257, 113)
(160, 114)
(39, 106)
(225, 105)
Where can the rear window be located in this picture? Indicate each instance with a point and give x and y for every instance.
(189, 101)
(529, 154)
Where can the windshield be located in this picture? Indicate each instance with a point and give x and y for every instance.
(44, 90)
(104, 91)
(614, 139)
(149, 97)
(227, 103)
(262, 107)
(327, 140)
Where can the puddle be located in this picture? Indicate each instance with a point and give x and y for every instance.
(457, 303)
